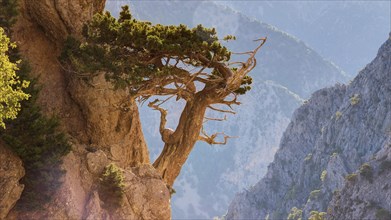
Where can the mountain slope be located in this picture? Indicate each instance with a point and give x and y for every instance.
(346, 32)
(332, 135)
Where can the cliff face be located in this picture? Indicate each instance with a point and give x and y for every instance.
(329, 137)
(103, 125)
(366, 197)
(11, 171)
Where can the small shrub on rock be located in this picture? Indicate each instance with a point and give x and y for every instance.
(112, 186)
(366, 171)
(382, 214)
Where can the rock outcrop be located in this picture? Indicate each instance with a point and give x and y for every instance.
(146, 195)
(366, 195)
(60, 18)
(11, 171)
(331, 136)
(103, 125)
(112, 120)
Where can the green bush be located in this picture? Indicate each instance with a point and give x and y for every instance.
(334, 155)
(338, 115)
(323, 175)
(11, 87)
(295, 214)
(355, 99)
(308, 157)
(314, 194)
(366, 171)
(8, 13)
(315, 215)
(351, 177)
(112, 186)
(382, 214)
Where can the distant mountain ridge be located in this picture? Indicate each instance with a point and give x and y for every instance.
(286, 74)
(335, 148)
(345, 32)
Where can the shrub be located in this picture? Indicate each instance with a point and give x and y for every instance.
(308, 157)
(382, 214)
(315, 215)
(338, 115)
(355, 99)
(295, 214)
(366, 171)
(112, 186)
(11, 87)
(8, 13)
(314, 194)
(351, 177)
(323, 175)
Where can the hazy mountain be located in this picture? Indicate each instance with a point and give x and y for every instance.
(345, 32)
(331, 136)
(287, 72)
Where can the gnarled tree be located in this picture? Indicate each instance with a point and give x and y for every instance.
(167, 61)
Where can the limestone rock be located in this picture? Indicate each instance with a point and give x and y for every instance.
(146, 195)
(57, 17)
(93, 209)
(112, 120)
(96, 162)
(365, 198)
(11, 171)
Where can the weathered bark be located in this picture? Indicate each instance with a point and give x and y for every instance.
(179, 145)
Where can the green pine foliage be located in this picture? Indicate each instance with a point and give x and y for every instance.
(314, 194)
(8, 13)
(295, 214)
(132, 52)
(323, 175)
(351, 177)
(367, 172)
(112, 186)
(315, 215)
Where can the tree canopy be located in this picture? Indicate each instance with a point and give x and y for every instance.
(11, 88)
(168, 61)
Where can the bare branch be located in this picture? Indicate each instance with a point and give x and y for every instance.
(165, 132)
(229, 103)
(212, 138)
(221, 110)
(215, 119)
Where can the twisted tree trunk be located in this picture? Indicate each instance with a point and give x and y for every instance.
(179, 144)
